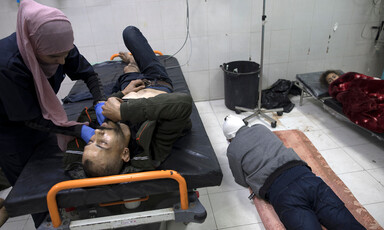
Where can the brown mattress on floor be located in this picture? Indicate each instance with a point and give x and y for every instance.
(297, 140)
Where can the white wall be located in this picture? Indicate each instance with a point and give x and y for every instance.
(299, 34)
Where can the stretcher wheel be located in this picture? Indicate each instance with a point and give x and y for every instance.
(273, 124)
(237, 111)
(280, 113)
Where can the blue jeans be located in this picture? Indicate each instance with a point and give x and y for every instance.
(146, 59)
(304, 201)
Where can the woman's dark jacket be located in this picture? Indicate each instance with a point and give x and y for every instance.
(20, 114)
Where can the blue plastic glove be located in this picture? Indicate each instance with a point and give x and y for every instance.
(99, 110)
(86, 133)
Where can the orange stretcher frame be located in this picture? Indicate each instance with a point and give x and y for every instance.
(155, 51)
(142, 176)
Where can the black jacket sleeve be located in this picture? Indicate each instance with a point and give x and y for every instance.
(78, 68)
(48, 126)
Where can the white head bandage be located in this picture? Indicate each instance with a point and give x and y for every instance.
(231, 125)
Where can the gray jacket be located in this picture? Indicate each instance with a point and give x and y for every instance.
(257, 157)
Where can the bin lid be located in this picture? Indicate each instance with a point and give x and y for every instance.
(240, 67)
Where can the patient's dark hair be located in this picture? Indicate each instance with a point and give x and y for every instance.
(91, 170)
(323, 75)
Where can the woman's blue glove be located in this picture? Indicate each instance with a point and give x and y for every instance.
(99, 110)
(86, 133)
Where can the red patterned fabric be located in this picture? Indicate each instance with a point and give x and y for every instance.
(297, 140)
(362, 98)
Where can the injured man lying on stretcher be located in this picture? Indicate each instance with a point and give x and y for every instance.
(136, 134)
(140, 141)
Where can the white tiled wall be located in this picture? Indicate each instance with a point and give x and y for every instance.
(299, 34)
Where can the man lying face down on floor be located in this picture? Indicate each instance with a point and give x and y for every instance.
(258, 159)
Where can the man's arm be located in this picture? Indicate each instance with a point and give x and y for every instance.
(171, 113)
(133, 86)
(44, 125)
(235, 165)
(163, 107)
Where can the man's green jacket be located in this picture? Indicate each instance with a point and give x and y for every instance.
(162, 120)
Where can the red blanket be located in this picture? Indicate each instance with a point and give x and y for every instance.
(362, 98)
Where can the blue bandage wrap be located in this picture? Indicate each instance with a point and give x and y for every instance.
(99, 113)
(86, 133)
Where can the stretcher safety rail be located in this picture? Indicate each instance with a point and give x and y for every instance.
(155, 51)
(152, 175)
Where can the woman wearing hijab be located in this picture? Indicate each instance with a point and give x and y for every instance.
(33, 64)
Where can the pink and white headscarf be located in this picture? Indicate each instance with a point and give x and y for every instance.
(43, 30)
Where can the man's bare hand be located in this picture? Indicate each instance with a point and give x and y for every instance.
(111, 109)
(134, 86)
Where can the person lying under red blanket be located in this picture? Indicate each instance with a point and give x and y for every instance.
(362, 97)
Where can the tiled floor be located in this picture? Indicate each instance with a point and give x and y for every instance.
(355, 156)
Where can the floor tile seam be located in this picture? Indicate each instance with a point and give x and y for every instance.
(229, 227)
(324, 133)
(371, 203)
(357, 171)
(379, 167)
(204, 112)
(380, 202)
(18, 220)
(213, 212)
(21, 222)
(352, 157)
(329, 131)
(243, 225)
(382, 184)
(25, 225)
(228, 191)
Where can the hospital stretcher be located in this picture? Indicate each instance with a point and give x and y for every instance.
(312, 87)
(168, 193)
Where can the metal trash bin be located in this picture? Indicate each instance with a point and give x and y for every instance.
(241, 84)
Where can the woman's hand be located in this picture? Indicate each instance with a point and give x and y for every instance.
(99, 112)
(111, 108)
(134, 86)
(86, 133)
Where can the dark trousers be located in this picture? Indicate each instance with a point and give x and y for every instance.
(146, 59)
(4, 184)
(307, 202)
(17, 151)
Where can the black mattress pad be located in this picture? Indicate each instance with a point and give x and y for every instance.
(192, 156)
